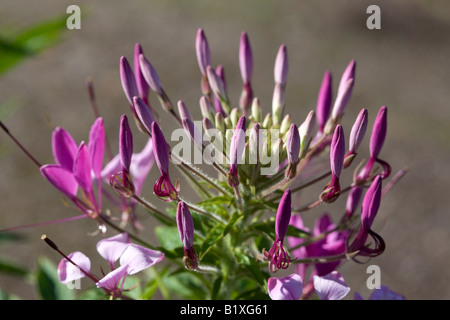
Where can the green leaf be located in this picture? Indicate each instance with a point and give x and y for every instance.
(185, 285)
(9, 236)
(7, 296)
(233, 220)
(221, 200)
(48, 284)
(12, 269)
(216, 288)
(30, 41)
(168, 237)
(215, 234)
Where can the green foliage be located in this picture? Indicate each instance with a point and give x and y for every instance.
(48, 283)
(26, 43)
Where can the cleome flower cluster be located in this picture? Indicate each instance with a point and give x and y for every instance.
(247, 224)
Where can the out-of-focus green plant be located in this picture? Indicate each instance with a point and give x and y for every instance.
(26, 43)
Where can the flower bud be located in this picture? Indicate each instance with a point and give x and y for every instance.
(185, 226)
(202, 50)
(128, 80)
(323, 107)
(141, 83)
(306, 131)
(256, 110)
(150, 75)
(293, 151)
(183, 110)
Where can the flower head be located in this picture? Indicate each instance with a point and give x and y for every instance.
(277, 255)
(236, 150)
(163, 186)
(337, 153)
(185, 226)
(369, 210)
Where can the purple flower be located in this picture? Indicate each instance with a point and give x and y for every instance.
(150, 75)
(112, 248)
(376, 143)
(141, 83)
(67, 272)
(383, 293)
(332, 244)
(121, 181)
(144, 114)
(185, 226)
(183, 110)
(163, 187)
(369, 210)
(337, 153)
(331, 286)
(323, 107)
(125, 144)
(285, 288)
(217, 85)
(280, 75)
(236, 151)
(64, 148)
(202, 50)
(246, 67)
(128, 80)
(344, 91)
(277, 255)
(132, 257)
(356, 136)
(293, 150)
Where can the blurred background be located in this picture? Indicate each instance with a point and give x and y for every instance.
(404, 65)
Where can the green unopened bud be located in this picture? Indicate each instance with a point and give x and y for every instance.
(220, 123)
(256, 110)
(234, 117)
(306, 131)
(267, 123)
(228, 123)
(285, 124)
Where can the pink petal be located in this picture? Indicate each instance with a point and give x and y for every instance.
(67, 272)
(82, 168)
(138, 258)
(64, 148)
(112, 248)
(97, 146)
(286, 288)
(112, 279)
(111, 168)
(331, 287)
(61, 178)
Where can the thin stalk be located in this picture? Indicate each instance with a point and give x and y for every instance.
(39, 224)
(326, 259)
(153, 209)
(19, 145)
(306, 184)
(201, 189)
(197, 172)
